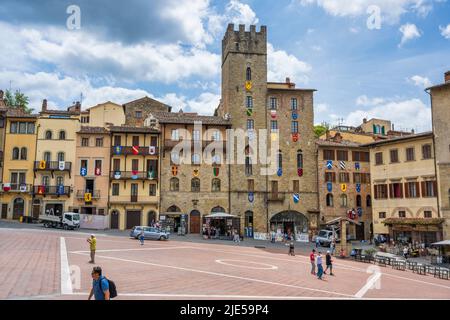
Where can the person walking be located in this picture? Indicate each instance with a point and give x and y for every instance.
(92, 246)
(142, 237)
(405, 252)
(291, 248)
(312, 258)
(317, 241)
(333, 246)
(319, 266)
(329, 263)
(100, 285)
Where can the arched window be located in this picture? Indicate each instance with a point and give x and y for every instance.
(45, 180)
(217, 209)
(248, 166)
(330, 200)
(280, 159)
(215, 185)
(15, 154)
(343, 200)
(48, 135)
(61, 156)
(47, 156)
(62, 135)
(358, 201)
(174, 184)
(369, 200)
(248, 74)
(23, 153)
(195, 185)
(173, 209)
(299, 159)
(59, 181)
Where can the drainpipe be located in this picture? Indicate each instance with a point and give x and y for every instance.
(109, 176)
(35, 157)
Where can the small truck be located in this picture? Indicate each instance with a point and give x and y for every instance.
(68, 220)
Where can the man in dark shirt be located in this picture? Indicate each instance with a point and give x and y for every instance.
(329, 264)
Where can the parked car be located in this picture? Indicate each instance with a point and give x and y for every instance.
(324, 237)
(149, 233)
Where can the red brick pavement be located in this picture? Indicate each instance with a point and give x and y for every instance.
(30, 268)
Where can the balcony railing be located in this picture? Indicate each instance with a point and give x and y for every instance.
(132, 175)
(169, 144)
(276, 197)
(95, 194)
(52, 166)
(123, 150)
(15, 187)
(51, 190)
(141, 199)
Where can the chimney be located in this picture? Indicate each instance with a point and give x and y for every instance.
(78, 106)
(44, 105)
(1, 94)
(393, 128)
(288, 80)
(365, 120)
(447, 76)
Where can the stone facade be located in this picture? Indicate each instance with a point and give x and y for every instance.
(337, 202)
(244, 77)
(404, 189)
(440, 105)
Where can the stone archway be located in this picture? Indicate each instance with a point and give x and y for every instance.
(291, 222)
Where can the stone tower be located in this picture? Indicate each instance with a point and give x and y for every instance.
(244, 61)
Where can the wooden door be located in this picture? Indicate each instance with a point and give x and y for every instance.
(194, 222)
(115, 220)
(133, 219)
(4, 210)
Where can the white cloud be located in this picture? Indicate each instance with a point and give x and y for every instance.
(409, 31)
(321, 107)
(354, 30)
(367, 102)
(422, 82)
(404, 114)
(61, 91)
(445, 31)
(79, 53)
(282, 65)
(391, 10)
(240, 13)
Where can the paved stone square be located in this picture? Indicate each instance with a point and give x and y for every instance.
(33, 262)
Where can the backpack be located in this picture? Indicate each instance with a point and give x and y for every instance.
(112, 288)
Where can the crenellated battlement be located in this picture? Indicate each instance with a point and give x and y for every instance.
(242, 41)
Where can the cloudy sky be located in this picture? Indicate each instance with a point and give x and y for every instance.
(366, 58)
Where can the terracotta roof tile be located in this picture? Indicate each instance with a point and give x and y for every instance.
(188, 118)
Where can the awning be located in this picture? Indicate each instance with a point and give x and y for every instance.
(220, 215)
(441, 243)
(338, 220)
(414, 221)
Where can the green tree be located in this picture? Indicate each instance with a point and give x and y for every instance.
(320, 129)
(18, 100)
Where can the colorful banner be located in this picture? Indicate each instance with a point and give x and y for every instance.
(88, 197)
(61, 165)
(83, 171)
(216, 172)
(135, 150)
(300, 172)
(98, 171)
(251, 196)
(343, 187)
(134, 174)
(152, 150)
(117, 150)
(6, 187)
(174, 170)
(296, 197)
(279, 172)
(329, 186)
(117, 175)
(329, 164)
(42, 164)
